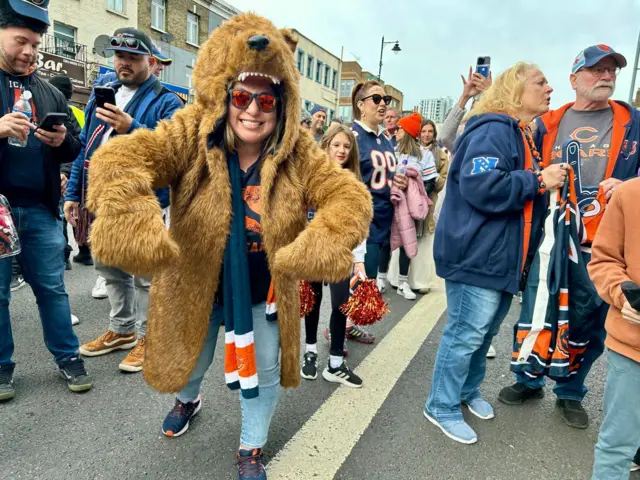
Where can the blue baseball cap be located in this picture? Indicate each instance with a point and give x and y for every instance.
(316, 109)
(593, 54)
(143, 46)
(157, 54)
(36, 9)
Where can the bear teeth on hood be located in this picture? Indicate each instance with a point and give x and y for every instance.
(244, 75)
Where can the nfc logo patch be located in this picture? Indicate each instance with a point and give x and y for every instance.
(483, 164)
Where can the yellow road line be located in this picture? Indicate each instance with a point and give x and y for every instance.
(323, 443)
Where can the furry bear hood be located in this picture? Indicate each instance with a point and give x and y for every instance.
(227, 56)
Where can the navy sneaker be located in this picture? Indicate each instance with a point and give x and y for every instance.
(7, 390)
(250, 466)
(177, 420)
(73, 371)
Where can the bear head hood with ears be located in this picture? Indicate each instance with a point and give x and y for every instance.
(246, 46)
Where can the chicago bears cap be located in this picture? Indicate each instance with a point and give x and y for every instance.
(36, 9)
(157, 54)
(593, 54)
(144, 42)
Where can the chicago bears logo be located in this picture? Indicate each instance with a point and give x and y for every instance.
(590, 207)
(603, 47)
(483, 164)
(575, 135)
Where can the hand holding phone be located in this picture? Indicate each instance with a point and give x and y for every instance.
(104, 95)
(483, 65)
(52, 119)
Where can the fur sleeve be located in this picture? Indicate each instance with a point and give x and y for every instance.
(128, 231)
(323, 251)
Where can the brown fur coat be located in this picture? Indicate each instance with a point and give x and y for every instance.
(185, 262)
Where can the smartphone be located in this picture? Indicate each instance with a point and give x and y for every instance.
(632, 293)
(104, 95)
(483, 65)
(52, 119)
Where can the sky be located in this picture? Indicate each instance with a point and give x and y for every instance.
(440, 39)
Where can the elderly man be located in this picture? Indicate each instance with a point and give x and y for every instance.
(391, 119)
(609, 133)
(318, 120)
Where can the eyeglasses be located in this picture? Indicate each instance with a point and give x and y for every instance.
(376, 98)
(128, 42)
(242, 99)
(600, 71)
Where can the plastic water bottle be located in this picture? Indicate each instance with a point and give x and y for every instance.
(23, 106)
(403, 166)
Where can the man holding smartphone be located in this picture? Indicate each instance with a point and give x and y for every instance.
(138, 101)
(609, 136)
(30, 179)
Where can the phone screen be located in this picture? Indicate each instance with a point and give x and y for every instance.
(105, 95)
(483, 65)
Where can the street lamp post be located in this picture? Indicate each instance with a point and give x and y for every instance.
(395, 49)
(635, 72)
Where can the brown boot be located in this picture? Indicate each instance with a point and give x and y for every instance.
(133, 362)
(107, 343)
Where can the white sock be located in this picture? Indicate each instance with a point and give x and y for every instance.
(349, 322)
(335, 361)
(382, 276)
(403, 279)
(311, 347)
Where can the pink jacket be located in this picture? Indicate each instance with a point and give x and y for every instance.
(409, 206)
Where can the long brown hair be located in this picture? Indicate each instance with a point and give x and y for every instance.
(353, 159)
(360, 91)
(409, 146)
(435, 130)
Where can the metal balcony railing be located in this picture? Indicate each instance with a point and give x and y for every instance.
(64, 47)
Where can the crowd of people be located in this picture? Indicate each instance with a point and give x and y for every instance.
(227, 204)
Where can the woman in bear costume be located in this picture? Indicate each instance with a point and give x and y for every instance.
(242, 177)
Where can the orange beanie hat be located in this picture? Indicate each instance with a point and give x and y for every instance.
(411, 124)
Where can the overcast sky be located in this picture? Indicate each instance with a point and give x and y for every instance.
(441, 38)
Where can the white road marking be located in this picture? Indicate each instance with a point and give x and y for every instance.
(324, 442)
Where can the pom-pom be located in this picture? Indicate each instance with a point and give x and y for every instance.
(366, 305)
(307, 299)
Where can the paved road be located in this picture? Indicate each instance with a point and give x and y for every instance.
(113, 431)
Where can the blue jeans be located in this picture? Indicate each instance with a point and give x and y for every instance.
(618, 438)
(474, 318)
(574, 389)
(42, 263)
(256, 412)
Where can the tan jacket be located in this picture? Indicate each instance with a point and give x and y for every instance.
(442, 166)
(616, 259)
(185, 262)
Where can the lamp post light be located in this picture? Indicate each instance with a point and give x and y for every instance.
(396, 48)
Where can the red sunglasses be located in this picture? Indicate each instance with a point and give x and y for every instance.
(242, 99)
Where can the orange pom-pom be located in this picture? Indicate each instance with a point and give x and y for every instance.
(307, 298)
(366, 305)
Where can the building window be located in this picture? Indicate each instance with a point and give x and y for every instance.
(319, 71)
(330, 115)
(192, 28)
(157, 14)
(345, 113)
(65, 40)
(334, 82)
(301, 61)
(116, 5)
(327, 75)
(309, 66)
(346, 86)
(308, 105)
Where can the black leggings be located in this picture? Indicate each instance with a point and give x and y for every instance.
(338, 322)
(385, 257)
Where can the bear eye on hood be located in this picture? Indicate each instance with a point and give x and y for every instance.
(247, 46)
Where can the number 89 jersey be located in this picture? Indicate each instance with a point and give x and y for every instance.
(377, 166)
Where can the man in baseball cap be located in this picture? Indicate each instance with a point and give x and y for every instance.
(35, 9)
(162, 61)
(609, 136)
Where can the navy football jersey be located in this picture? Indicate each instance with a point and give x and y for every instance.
(377, 166)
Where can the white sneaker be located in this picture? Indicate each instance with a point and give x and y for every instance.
(100, 289)
(491, 353)
(382, 284)
(405, 291)
(634, 467)
(74, 320)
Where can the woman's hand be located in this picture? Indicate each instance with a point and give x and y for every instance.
(400, 181)
(554, 176)
(359, 270)
(630, 314)
(474, 84)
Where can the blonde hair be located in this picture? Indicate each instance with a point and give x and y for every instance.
(505, 94)
(409, 146)
(353, 160)
(360, 91)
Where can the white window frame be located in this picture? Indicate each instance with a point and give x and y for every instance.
(62, 39)
(114, 4)
(193, 28)
(159, 7)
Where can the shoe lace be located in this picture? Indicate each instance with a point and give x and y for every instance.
(309, 357)
(179, 409)
(75, 367)
(251, 465)
(138, 350)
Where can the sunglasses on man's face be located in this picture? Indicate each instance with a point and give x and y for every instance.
(376, 98)
(242, 99)
(128, 42)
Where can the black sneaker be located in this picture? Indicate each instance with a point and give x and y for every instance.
(518, 393)
(177, 420)
(73, 371)
(7, 391)
(250, 465)
(84, 257)
(17, 282)
(309, 368)
(342, 375)
(573, 413)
